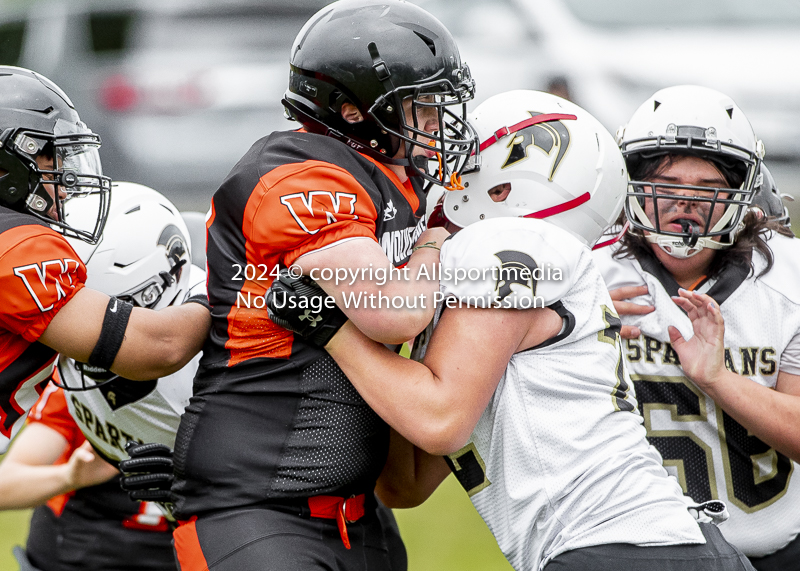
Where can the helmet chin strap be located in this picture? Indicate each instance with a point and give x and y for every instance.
(677, 247)
(683, 247)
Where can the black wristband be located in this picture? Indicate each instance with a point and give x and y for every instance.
(200, 298)
(115, 322)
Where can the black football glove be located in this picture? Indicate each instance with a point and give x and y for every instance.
(284, 302)
(147, 474)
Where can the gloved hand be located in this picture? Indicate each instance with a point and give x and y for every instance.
(147, 474)
(300, 305)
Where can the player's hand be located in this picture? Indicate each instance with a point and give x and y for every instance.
(85, 468)
(147, 474)
(622, 307)
(703, 356)
(300, 305)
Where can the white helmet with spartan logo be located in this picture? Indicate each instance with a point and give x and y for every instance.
(560, 162)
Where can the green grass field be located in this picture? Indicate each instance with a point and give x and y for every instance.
(13, 531)
(444, 534)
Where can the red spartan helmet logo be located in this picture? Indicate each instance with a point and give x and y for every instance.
(548, 136)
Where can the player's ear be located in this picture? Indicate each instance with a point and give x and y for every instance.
(351, 114)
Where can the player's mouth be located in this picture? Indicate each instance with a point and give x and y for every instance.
(685, 223)
(428, 153)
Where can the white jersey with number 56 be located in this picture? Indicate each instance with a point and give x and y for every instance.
(712, 455)
(559, 459)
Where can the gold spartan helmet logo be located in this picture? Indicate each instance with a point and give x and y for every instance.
(548, 137)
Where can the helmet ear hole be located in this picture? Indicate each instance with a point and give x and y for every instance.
(500, 192)
(351, 114)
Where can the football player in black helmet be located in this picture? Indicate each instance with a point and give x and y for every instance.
(47, 154)
(380, 90)
(47, 157)
(372, 89)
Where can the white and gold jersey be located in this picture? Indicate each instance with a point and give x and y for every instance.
(143, 411)
(712, 455)
(559, 459)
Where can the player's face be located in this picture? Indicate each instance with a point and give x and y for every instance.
(690, 171)
(695, 172)
(427, 119)
(46, 163)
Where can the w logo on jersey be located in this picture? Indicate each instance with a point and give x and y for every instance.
(315, 209)
(48, 282)
(549, 137)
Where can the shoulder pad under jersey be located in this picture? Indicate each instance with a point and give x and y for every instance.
(510, 262)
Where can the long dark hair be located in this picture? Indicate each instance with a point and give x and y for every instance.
(754, 235)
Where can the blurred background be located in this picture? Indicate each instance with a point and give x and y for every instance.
(180, 89)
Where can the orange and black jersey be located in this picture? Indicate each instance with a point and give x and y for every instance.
(39, 273)
(273, 417)
(293, 193)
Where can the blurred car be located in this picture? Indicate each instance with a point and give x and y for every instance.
(503, 49)
(610, 56)
(619, 52)
(178, 90)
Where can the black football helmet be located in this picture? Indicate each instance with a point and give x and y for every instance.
(375, 54)
(43, 143)
(768, 198)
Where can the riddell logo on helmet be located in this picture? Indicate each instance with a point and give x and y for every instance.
(318, 208)
(549, 136)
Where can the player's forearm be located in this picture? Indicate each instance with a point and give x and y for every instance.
(390, 305)
(770, 415)
(406, 394)
(159, 343)
(155, 343)
(23, 486)
(410, 475)
(392, 310)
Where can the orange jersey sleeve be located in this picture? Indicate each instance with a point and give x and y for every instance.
(301, 207)
(51, 410)
(39, 273)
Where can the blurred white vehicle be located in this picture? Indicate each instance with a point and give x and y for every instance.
(614, 54)
(177, 89)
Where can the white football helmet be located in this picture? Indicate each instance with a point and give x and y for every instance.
(143, 255)
(769, 200)
(145, 251)
(561, 163)
(692, 120)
